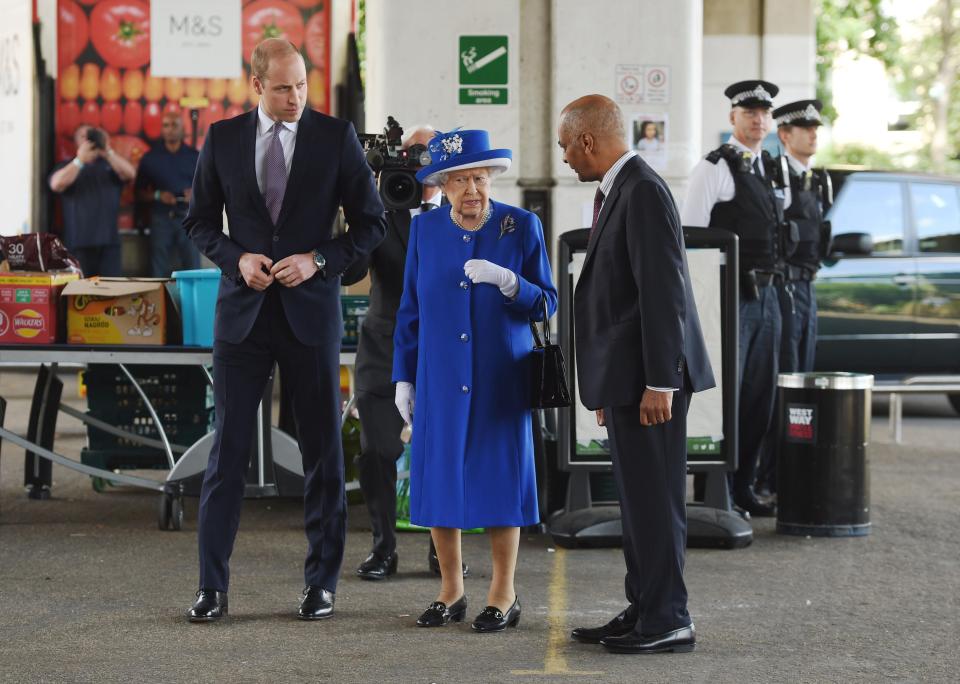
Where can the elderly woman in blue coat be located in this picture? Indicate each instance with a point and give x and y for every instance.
(475, 276)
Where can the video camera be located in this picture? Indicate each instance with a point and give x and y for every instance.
(395, 167)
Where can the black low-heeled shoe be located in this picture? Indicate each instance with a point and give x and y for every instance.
(491, 619)
(439, 613)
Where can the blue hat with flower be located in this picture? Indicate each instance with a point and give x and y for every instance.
(461, 149)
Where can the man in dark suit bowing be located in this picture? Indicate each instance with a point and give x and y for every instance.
(280, 172)
(640, 355)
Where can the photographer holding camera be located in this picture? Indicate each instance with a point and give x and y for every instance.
(90, 185)
(164, 177)
(380, 424)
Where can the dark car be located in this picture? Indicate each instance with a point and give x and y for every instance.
(892, 309)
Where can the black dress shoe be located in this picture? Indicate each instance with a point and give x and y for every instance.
(681, 640)
(210, 606)
(618, 626)
(754, 507)
(439, 613)
(491, 619)
(435, 563)
(316, 604)
(377, 568)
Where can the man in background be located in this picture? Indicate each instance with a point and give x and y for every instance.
(163, 183)
(90, 185)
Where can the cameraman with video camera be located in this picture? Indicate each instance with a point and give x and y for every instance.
(380, 423)
(90, 185)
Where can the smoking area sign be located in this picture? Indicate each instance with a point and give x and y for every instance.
(483, 66)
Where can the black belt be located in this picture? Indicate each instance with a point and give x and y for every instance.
(767, 279)
(800, 273)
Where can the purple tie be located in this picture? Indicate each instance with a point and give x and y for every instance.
(275, 172)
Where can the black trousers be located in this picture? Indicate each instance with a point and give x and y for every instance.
(650, 469)
(311, 379)
(380, 447)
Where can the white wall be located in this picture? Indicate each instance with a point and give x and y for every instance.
(17, 116)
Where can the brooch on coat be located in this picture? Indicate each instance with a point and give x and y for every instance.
(508, 224)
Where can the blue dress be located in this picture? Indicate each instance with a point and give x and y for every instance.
(466, 348)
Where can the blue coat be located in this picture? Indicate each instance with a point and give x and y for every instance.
(466, 349)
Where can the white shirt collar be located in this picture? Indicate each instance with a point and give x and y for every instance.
(606, 184)
(732, 140)
(435, 201)
(797, 165)
(264, 122)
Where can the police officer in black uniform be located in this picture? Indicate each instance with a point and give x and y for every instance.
(737, 188)
(810, 197)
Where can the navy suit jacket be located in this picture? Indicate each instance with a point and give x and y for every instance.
(636, 319)
(328, 170)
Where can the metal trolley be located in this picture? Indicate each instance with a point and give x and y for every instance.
(276, 470)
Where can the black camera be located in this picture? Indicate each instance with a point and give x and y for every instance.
(395, 167)
(97, 137)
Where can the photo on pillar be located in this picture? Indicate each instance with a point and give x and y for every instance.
(648, 136)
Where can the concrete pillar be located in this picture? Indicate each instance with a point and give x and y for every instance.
(590, 41)
(770, 39)
(413, 71)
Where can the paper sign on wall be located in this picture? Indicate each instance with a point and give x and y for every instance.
(16, 116)
(640, 84)
(195, 40)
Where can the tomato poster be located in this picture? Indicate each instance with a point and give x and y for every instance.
(104, 77)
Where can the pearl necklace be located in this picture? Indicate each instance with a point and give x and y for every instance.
(483, 220)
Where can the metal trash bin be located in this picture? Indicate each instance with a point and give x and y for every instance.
(823, 488)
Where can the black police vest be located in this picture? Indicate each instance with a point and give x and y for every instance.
(806, 210)
(754, 213)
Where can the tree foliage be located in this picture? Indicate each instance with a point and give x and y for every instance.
(863, 26)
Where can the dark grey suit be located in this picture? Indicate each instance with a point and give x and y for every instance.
(636, 325)
(380, 425)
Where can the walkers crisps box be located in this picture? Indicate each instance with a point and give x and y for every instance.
(117, 311)
(30, 308)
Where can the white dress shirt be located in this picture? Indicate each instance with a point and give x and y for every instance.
(606, 185)
(288, 140)
(711, 183)
(799, 168)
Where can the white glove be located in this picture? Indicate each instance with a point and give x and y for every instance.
(483, 271)
(403, 400)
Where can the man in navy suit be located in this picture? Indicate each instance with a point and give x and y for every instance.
(280, 172)
(640, 355)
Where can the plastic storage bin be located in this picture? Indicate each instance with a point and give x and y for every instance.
(197, 291)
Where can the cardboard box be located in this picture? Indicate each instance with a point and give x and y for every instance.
(117, 311)
(30, 310)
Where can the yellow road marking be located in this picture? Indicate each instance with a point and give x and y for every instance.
(555, 660)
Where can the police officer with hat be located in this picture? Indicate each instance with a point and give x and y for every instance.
(811, 195)
(737, 188)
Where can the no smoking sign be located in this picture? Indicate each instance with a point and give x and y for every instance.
(639, 84)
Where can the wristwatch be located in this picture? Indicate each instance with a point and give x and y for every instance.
(319, 261)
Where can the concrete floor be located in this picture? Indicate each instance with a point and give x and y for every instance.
(91, 590)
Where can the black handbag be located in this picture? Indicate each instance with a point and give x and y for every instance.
(548, 373)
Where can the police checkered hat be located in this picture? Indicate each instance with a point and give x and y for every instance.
(804, 113)
(752, 94)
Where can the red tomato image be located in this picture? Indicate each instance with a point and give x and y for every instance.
(73, 33)
(132, 117)
(308, 4)
(210, 115)
(111, 116)
(315, 42)
(270, 19)
(120, 31)
(111, 86)
(171, 107)
(90, 113)
(68, 117)
(232, 111)
(152, 120)
(129, 146)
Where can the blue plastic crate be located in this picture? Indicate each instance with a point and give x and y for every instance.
(197, 290)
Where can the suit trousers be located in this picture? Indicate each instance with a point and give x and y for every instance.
(380, 447)
(650, 469)
(760, 329)
(311, 379)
